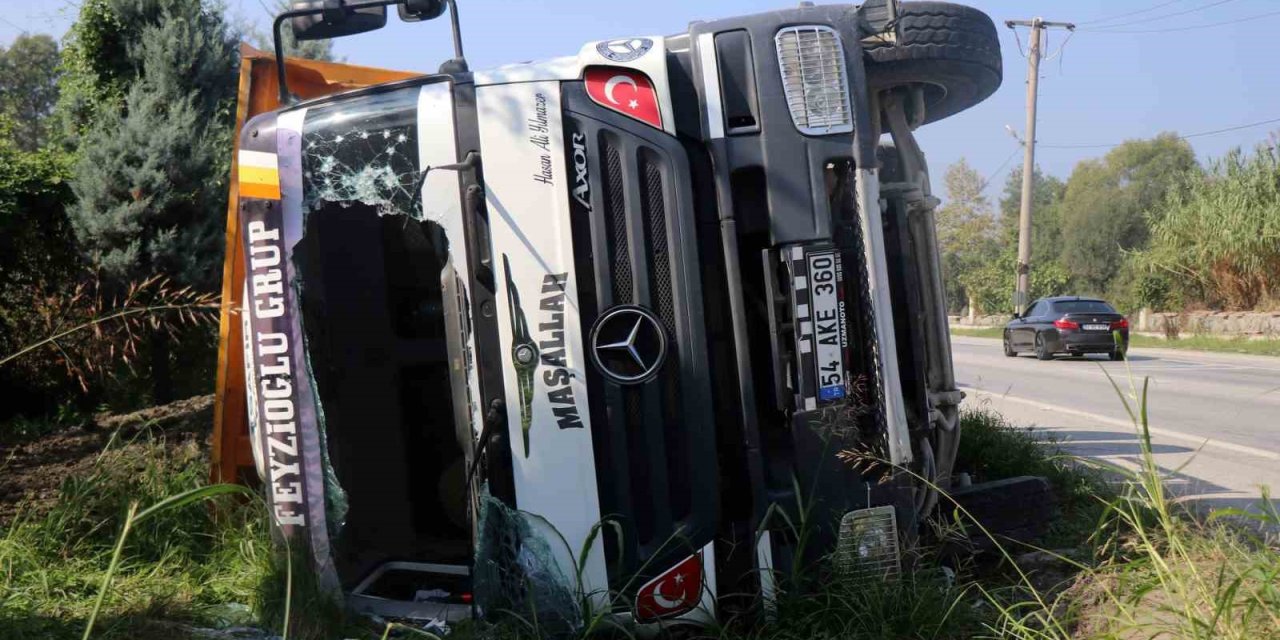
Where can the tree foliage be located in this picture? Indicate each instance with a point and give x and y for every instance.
(992, 283)
(309, 49)
(151, 109)
(966, 229)
(979, 251)
(35, 238)
(37, 255)
(1143, 225)
(1046, 219)
(29, 70)
(1216, 240)
(1105, 204)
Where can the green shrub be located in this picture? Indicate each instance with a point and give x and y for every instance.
(991, 448)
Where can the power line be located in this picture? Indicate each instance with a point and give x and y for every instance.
(10, 23)
(1197, 27)
(1163, 17)
(1189, 135)
(1131, 13)
(988, 179)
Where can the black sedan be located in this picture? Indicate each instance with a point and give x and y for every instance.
(1070, 325)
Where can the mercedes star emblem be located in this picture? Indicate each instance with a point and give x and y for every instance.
(625, 49)
(628, 344)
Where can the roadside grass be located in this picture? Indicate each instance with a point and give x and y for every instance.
(923, 604)
(992, 448)
(978, 332)
(1159, 571)
(1131, 562)
(1267, 347)
(182, 565)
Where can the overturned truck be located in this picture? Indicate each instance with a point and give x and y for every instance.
(586, 337)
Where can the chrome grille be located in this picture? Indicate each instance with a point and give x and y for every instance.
(811, 59)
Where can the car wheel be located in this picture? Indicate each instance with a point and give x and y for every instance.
(949, 49)
(1042, 351)
(1118, 354)
(1009, 351)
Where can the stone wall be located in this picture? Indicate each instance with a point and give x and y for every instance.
(978, 321)
(1231, 323)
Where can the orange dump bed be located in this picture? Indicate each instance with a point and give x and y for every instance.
(259, 92)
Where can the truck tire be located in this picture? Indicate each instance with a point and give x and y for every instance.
(949, 49)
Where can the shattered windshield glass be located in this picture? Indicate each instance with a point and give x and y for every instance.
(365, 153)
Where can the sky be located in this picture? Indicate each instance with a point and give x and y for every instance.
(1133, 69)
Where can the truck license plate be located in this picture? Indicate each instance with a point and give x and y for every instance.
(828, 337)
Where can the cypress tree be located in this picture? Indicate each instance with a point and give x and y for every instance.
(150, 106)
(155, 147)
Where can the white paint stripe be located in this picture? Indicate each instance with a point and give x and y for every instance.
(802, 311)
(1168, 433)
(260, 159)
(711, 85)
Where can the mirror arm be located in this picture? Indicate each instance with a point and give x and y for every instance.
(457, 31)
(287, 98)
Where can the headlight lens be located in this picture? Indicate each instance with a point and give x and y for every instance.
(811, 58)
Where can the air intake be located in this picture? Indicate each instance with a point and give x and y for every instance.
(813, 76)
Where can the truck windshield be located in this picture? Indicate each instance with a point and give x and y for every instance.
(372, 286)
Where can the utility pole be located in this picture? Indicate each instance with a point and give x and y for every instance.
(1037, 25)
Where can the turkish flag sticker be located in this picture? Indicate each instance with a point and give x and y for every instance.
(625, 91)
(675, 592)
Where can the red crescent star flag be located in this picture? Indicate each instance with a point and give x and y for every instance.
(677, 591)
(625, 91)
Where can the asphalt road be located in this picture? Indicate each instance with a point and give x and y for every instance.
(1215, 418)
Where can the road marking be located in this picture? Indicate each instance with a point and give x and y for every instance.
(1168, 433)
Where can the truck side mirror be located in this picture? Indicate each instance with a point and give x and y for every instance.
(418, 10)
(336, 20)
(323, 19)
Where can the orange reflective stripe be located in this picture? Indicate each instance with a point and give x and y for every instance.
(259, 182)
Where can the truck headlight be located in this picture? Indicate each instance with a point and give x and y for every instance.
(867, 546)
(811, 58)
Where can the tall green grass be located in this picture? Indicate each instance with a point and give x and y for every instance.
(131, 550)
(1216, 241)
(1161, 572)
(991, 448)
(70, 569)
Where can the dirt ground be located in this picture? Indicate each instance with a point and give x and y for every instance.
(32, 471)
